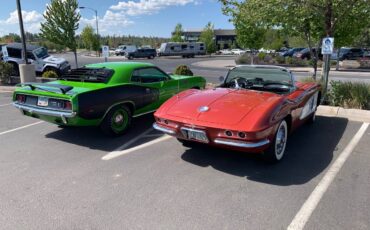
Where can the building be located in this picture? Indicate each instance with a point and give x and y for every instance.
(224, 39)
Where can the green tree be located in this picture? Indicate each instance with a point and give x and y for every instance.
(311, 20)
(208, 37)
(177, 34)
(61, 22)
(89, 39)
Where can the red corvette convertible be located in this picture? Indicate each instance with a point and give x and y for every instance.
(253, 110)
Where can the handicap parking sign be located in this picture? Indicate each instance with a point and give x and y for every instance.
(105, 51)
(327, 46)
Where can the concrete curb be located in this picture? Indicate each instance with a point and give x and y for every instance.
(350, 114)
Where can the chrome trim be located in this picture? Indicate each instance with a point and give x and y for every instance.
(47, 112)
(142, 114)
(241, 144)
(163, 129)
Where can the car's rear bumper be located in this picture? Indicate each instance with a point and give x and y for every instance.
(46, 112)
(234, 144)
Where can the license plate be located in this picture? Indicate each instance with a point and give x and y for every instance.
(43, 101)
(198, 135)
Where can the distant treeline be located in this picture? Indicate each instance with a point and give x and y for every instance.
(111, 41)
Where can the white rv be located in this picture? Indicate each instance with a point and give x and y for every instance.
(184, 49)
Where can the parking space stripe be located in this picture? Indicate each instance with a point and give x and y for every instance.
(5, 104)
(115, 154)
(19, 128)
(313, 200)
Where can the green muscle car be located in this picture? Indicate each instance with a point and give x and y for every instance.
(108, 95)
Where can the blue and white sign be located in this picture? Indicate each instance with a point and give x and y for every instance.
(327, 46)
(105, 52)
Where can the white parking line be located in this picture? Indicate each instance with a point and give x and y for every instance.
(5, 104)
(19, 128)
(115, 154)
(313, 200)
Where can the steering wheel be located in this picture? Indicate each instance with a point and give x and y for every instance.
(239, 83)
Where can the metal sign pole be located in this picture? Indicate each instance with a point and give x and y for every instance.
(20, 18)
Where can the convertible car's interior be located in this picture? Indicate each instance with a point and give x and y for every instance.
(271, 79)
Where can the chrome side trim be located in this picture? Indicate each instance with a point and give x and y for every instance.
(163, 129)
(241, 144)
(47, 112)
(142, 114)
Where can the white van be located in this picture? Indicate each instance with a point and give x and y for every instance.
(184, 49)
(36, 55)
(122, 50)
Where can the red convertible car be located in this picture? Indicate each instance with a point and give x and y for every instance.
(253, 110)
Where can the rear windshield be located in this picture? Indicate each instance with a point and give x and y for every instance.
(99, 75)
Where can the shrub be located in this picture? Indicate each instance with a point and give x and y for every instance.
(349, 95)
(6, 70)
(279, 59)
(261, 56)
(244, 59)
(49, 74)
(183, 70)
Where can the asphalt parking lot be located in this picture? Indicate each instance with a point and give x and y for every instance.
(77, 178)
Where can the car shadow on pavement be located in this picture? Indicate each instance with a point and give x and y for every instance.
(309, 152)
(94, 138)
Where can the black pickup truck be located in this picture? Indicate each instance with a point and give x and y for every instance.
(142, 53)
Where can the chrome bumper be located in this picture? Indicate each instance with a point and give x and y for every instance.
(163, 129)
(47, 112)
(241, 144)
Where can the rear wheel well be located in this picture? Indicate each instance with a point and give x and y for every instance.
(289, 121)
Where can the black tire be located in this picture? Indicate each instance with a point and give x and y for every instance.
(117, 121)
(312, 118)
(276, 151)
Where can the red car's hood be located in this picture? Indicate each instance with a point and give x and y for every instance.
(225, 106)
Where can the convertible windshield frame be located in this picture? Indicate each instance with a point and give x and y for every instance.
(262, 73)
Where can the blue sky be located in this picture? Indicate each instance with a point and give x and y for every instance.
(134, 17)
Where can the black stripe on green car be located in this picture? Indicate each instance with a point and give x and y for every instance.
(98, 90)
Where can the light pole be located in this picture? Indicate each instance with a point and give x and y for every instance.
(20, 18)
(96, 19)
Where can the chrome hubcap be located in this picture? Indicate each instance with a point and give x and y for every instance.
(118, 118)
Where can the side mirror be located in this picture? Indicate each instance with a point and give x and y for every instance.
(221, 78)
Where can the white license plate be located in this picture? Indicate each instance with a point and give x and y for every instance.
(196, 135)
(43, 101)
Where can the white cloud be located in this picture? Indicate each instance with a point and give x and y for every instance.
(111, 23)
(31, 20)
(134, 8)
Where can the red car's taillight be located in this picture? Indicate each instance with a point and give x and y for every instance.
(20, 98)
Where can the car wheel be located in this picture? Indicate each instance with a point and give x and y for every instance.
(117, 121)
(277, 148)
(312, 118)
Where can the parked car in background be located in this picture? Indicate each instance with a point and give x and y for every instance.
(141, 53)
(38, 56)
(306, 54)
(1, 51)
(292, 51)
(350, 53)
(183, 49)
(238, 51)
(224, 52)
(107, 94)
(254, 110)
(123, 49)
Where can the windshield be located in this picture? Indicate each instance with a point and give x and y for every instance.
(260, 78)
(41, 53)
